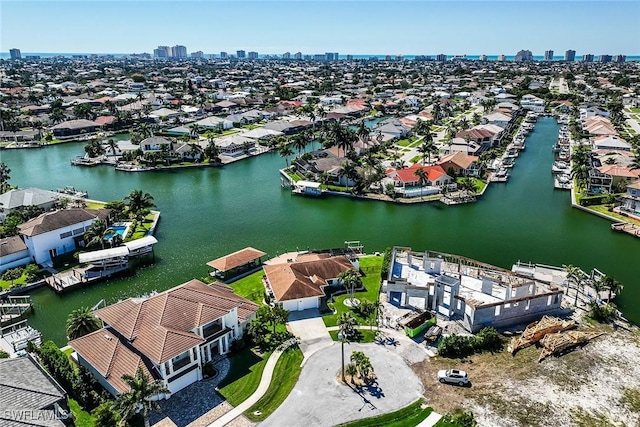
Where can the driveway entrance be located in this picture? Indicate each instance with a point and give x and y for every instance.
(309, 327)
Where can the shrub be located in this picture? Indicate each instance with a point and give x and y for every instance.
(208, 370)
(237, 346)
(488, 339)
(386, 264)
(4, 354)
(12, 274)
(31, 271)
(603, 312)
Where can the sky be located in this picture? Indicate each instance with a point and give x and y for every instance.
(418, 27)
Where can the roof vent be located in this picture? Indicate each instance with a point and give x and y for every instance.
(108, 337)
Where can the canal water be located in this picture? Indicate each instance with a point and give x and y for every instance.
(207, 213)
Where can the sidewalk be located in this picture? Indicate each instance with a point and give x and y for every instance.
(433, 418)
(260, 391)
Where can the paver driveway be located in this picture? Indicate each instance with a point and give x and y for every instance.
(309, 327)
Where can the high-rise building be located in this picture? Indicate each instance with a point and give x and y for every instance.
(335, 55)
(329, 56)
(620, 58)
(349, 57)
(241, 54)
(483, 58)
(319, 57)
(179, 51)
(15, 53)
(441, 57)
(387, 58)
(197, 54)
(570, 55)
(162, 52)
(605, 58)
(224, 55)
(524, 55)
(502, 58)
(286, 55)
(297, 55)
(399, 58)
(587, 57)
(253, 55)
(548, 55)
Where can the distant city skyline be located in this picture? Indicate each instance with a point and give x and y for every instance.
(311, 27)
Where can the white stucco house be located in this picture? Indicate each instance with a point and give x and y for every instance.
(13, 253)
(533, 103)
(56, 233)
(170, 335)
(301, 284)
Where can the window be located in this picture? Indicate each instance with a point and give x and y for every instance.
(65, 235)
(181, 361)
(497, 312)
(78, 231)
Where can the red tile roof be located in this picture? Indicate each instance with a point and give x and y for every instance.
(296, 280)
(236, 259)
(408, 175)
(160, 326)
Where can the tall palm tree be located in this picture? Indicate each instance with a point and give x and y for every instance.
(138, 398)
(97, 233)
(635, 163)
(212, 151)
(194, 130)
(612, 285)
(573, 276)
(299, 142)
(113, 145)
(137, 201)
(422, 176)
(285, 151)
(81, 322)
(363, 132)
(351, 280)
(346, 325)
(426, 149)
(468, 185)
(4, 177)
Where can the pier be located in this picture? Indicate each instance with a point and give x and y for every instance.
(625, 227)
(12, 307)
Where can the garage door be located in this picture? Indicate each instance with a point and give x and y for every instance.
(395, 298)
(183, 381)
(307, 303)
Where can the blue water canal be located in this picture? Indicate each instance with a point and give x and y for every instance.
(207, 213)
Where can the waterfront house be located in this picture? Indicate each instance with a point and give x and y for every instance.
(214, 122)
(171, 335)
(74, 128)
(472, 292)
(29, 396)
(19, 198)
(156, 144)
(533, 103)
(460, 164)
(303, 283)
(408, 184)
(55, 233)
(13, 253)
(456, 145)
(631, 199)
(499, 119)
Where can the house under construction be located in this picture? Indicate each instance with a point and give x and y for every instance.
(475, 293)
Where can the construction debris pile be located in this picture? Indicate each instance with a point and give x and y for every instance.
(550, 333)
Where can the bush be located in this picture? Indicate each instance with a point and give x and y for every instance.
(488, 339)
(603, 312)
(31, 271)
(12, 274)
(237, 346)
(593, 200)
(208, 370)
(4, 354)
(386, 264)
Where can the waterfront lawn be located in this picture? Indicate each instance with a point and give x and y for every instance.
(480, 184)
(285, 377)
(142, 228)
(361, 335)
(21, 281)
(81, 418)
(604, 209)
(408, 416)
(371, 267)
(243, 377)
(250, 287)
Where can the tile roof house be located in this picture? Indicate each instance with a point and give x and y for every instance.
(13, 253)
(72, 128)
(58, 232)
(171, 335)
(29, 396)
(460, 163)
(17, 199)
(302, 284)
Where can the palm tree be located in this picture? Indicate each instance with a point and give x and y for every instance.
(426, 149)
(299, 142)
(422, 176)
(195, 151)
(137, 201)
(573, 276)
(138, 398)
(285, 151)
(363, 132)
(212, 151)
(612, 285)
(81, 322)
(113, 145)
(468, 185)
(194, 130)
(350, 280)
(635, 163)
(97, 233)
(4, 177)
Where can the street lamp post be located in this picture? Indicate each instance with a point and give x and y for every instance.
(341, 338)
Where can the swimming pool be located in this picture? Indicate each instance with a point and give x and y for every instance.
(120, 228)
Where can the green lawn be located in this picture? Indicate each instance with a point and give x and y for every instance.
(409, 416)
(416, 159)
(605, 210)
(81, 418)
(371, 267)
(361, 335)
(250, 287)
(403, 142)
(243, 377)
(22, 280)
(285, 377)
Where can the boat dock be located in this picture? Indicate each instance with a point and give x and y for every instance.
(15, 338)
(12, 307)
(626, 227)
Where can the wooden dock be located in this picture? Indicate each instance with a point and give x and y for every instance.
(12, 307)
(67, 280)
(626, 227)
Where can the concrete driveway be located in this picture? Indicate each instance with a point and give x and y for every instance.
(309, 327)
(319, 399)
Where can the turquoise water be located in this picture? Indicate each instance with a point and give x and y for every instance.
(210, 212)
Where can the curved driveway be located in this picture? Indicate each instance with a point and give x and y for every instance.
(318, 398)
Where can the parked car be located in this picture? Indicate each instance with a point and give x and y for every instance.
(454, 376)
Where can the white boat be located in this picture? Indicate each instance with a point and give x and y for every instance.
(560, 167)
